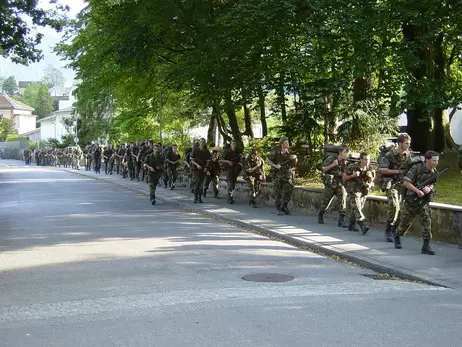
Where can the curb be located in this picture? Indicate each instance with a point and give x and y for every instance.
(315, 247)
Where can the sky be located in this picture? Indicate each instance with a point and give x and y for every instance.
(35, 72)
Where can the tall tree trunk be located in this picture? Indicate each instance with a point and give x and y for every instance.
(418, 119)
(232, 119)
(439, 135)
(261, 104)
(282, 98)
(212, 130)
(248, 122)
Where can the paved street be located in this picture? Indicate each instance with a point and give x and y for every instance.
(89, 263)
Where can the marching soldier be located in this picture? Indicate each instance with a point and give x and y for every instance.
(213, 174)
(391, 168)
(359, 179)
(108, 159)
(232, 164)
(154, 163)
(199, 160)
(97, 157)
(420, 182)
(333, 169)
(254, 174)
(173, 159)
(283, 162)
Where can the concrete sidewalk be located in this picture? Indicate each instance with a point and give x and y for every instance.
(370, 251)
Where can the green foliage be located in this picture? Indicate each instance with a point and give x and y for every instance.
(14, 137)
(38, 96)
(66, 141)
(328, 71)
(33, 145)
(6, 128)
(18, 20)
(9, 85)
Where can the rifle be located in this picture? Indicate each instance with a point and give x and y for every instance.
(429, 181)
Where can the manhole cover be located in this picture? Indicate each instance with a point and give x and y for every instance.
(267, 277)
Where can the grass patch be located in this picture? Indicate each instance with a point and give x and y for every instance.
(448, 188)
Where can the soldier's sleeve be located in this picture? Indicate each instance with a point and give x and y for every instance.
(192, 155)
(411, 175)
(329, 160)
(349, 169)
(272, 157)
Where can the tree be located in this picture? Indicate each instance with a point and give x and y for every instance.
(16, 41)
(53, 77)
(6, 128)
(38, 96)
(9, 85)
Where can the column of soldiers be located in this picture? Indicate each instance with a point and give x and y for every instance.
(68, 157)
(350, 180)
(407, 180)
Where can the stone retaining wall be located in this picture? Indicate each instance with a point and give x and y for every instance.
(446, 219)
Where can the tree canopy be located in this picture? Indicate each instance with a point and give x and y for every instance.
(19, 20)
(339, 70)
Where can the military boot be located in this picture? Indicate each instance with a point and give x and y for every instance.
(397, 242)
(231, 199)
(426, 249)
(278, 209)
(152, 199)
(252, 203)
(320, 217)
(204, 194)
(196, 198)
(285, 209)
(388, 233)
(341, 220)
(352, 227)
(364, 227)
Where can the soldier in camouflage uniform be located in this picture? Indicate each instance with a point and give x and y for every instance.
(200, 157)
(108, 154)
(154, 163)
(231, 160)
(283, 163)
(359, 180)
(417, 201)
(392, 168)
(96, 155)
(213, 174)
(254, 174)
(333, 168)
(172, 160)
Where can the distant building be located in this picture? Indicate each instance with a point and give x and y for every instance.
(63, 97)
(54, 125)
(18, 112)
(22, 85)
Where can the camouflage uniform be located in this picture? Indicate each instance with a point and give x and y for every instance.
(255, 177)
(108, 154)
(358, 188)
(155, 161)
(213, 175)
(393, 160)
(202, 158)
(171, 168)
(97, 158)
(283, 179)
(414, 206)
(333, 186)
(232, 171)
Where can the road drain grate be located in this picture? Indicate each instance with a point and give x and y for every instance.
(380, 277)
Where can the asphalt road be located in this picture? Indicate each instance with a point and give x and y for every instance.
(86, 263)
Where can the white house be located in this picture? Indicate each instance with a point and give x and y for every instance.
(33, 135)
(54, 127)
(63, 96)
(19, 113)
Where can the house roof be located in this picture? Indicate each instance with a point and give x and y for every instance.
(24, 84)
(57, 113)
(11, 104)
(36, 130)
